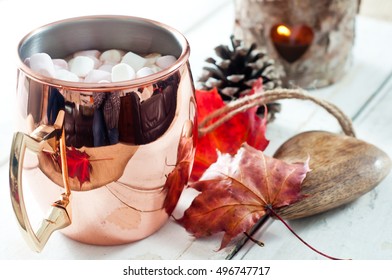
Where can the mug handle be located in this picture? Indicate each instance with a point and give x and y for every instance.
(43, 138)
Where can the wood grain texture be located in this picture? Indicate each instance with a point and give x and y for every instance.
(342, 169)
(206, 25)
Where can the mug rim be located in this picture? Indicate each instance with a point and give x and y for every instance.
(112, 86)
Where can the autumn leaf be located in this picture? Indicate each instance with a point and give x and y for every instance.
(178, 178)
(78, 165)
(236, 191)
(244, 127)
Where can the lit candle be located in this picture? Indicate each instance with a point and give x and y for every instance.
(283, 31)
(291, 42)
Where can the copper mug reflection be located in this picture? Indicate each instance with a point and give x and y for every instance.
(110, 187)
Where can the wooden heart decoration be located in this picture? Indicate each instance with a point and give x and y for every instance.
(291, 42)
(342, 169)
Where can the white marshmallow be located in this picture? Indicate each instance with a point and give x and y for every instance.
(93, 53)
(155, 68)
(92, 66)
(60, 63)
(143, 72)
(151, 58)
(65, 75)
(111, 56)
(165, 61)
(122, 72)
(97, 62)
(134, 60)
(95, 76)
(106, 67)
(42, 63)
(81, 65)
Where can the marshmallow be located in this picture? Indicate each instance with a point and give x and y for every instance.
(151, 58)
(106, 67)
(134, 60)
(122, 72)
(97, 62)
(111, 56)
(65, 75)
(60, 63)
(92, 66)
(92, 53)
(81, 65)
(155, 68)
(143, 72)
(95, 76)
(42, 63)
(165, 61)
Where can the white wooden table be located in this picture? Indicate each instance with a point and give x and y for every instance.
(359, 230)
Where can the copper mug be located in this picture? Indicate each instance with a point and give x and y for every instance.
(118, 191)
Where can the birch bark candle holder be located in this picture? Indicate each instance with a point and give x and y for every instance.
(310, 40)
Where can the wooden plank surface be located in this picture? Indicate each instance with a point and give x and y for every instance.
(207, 24)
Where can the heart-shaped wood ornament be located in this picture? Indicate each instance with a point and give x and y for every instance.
(342, 169)
(291, 42)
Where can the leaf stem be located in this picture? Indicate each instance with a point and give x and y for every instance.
(296, 235)
(262, 221)
(258, 242)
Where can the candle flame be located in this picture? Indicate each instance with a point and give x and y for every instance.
(283, 30)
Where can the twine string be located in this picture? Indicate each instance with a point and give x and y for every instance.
(222, 115)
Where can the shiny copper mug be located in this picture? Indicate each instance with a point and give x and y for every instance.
(131, 185)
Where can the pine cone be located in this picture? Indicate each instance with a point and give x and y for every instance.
(238, 69)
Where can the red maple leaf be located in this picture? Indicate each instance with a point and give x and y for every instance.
(244, 127)
(236, 191)
(78, 165)
(178, 178)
